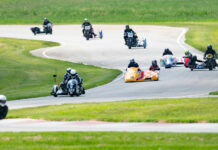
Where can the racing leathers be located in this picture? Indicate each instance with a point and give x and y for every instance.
(67, 77)
(79, 79)
(135, 37)
(192, 61)
(46, 22)
(3, 110)
(87, 23)
(153, 68)
(213, 52)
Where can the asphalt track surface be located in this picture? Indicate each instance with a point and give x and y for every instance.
(110, 52)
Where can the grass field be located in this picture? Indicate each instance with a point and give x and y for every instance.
(107, 141)
(107, 11)
(162, 110)
(23, 75)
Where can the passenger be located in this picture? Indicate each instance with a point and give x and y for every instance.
(167, 52)
(75, 75)
(154, 66)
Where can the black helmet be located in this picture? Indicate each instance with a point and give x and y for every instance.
(127, 26)
(209, 46)
(132, 60)
(166, 49)
(154, 62)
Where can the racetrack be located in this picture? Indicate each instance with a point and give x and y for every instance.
(112, 53)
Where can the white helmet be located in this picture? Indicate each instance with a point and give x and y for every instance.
(69, 69)
(85, 19)
(3, 99)
(73, 72)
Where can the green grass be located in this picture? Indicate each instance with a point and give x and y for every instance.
(107, 141)
(23, 75)
(107, 11)
(214, 93)
(155, 110)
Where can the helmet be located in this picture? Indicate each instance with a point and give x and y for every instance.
(127, 26)
(85, 19)
(186, 52)
(209, 46)
(73, 72)
(69, 69)
(45, 18)
(3, 99)
(132, 60)
(154, 62)
(166, 49)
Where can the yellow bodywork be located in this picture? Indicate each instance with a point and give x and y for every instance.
(136, 75)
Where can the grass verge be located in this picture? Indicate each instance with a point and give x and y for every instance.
(23, 75)
(162, 110)
(107, 141)
(214, 93)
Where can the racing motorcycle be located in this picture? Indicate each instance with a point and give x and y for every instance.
(169, 61)
(72, 88)
(134, 74)
(209, 63)
(47, 29)
(131, 42)
(88, 32)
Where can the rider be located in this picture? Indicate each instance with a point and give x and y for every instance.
(3, 107)
(154, 66)
(188, 54)
(167, 52)
(132, 63)
(193, 60)
(87, 23)
(67, 77)
(128, 29)
(210, 50)
(75, 75)
(46, 22)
